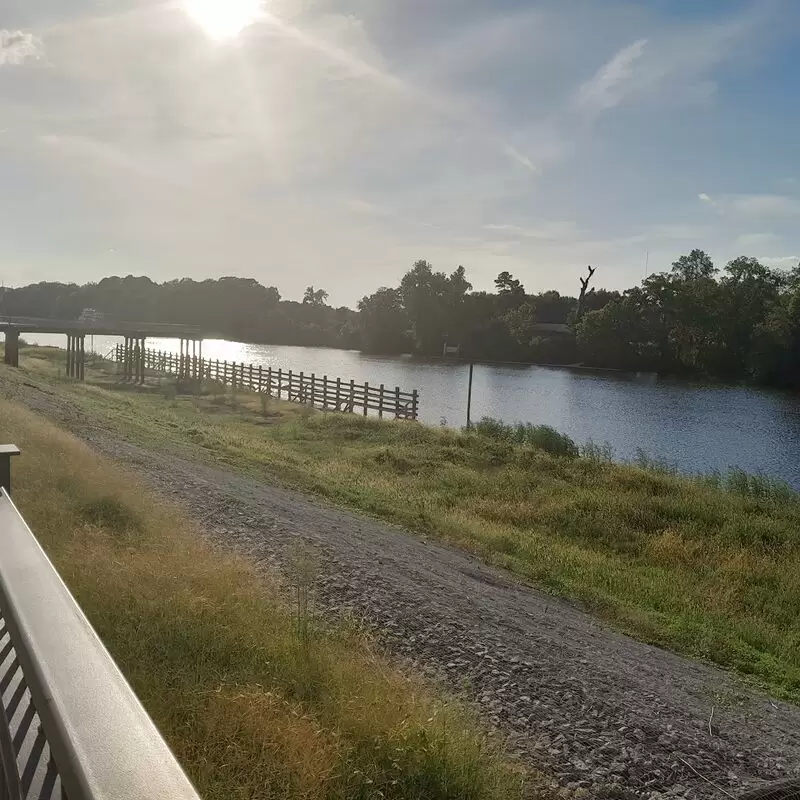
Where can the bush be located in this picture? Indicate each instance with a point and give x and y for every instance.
(542, 437)
(599, 453)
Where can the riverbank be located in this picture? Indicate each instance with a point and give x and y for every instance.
(254, 697)
(701, 569)
(699, 429)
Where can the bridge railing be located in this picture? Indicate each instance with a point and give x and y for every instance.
(70, 725)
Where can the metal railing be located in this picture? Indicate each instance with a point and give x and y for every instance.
(70, 725)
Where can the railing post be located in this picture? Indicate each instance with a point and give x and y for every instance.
(280, 381)
(6, 452)
(380, 403)
(338, 391)
(366, 397)
(397, 402)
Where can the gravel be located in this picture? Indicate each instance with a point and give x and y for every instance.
(606, 716)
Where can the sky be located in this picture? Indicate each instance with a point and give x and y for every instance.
(333, 143)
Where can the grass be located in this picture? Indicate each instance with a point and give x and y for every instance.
(255, 700)
(705, 566)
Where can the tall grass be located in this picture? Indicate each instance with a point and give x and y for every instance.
(542, 437)
(255, 700)
(708, 566)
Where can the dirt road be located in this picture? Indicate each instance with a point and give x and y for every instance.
(599, 711)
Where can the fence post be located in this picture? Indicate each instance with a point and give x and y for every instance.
(241, 376)
(260, 377)
(351, 405)
(366, 397)
(338, 389)
(397, 402)
(289, 387)
(380, 404)
(414, 404)
(325, 392)
(302, 389)
(313, 387)
(269, 381)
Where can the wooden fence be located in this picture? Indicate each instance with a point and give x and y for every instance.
(329, 394)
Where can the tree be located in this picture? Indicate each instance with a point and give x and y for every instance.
(507, 284)
(697, 264)
(423, 292)
(584, 286)
(383, 322)
(315, 297)
(618, 335)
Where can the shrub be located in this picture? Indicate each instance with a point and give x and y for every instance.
(542, 437)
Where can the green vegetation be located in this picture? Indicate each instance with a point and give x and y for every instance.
(742, 323)
(541, 437)
(255, 700)
(707, 566)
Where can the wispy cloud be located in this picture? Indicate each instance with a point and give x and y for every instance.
(750, 240)
(520, 158)
(547, 230)
(754, 206)
(781, 262)
(607, 87)
(16, 47)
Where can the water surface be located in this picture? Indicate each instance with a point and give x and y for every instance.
(698, 428)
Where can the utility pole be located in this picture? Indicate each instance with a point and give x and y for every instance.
(469, 396)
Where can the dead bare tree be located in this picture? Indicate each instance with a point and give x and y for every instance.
(584, 286)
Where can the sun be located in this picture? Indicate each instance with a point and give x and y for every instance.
(223, 19)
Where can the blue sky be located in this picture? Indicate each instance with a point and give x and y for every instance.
(333, 143)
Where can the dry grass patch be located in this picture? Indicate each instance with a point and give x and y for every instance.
(251, 708)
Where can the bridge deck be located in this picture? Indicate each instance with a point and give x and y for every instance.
(75, 327)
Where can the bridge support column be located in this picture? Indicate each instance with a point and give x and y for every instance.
(127, 359)
(70, 355)
(76, 356)
(11, 356)
(140, 360)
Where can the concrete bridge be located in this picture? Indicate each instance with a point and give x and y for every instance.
(76, 330)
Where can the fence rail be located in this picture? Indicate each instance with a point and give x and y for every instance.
(320, 391)
(70, 725)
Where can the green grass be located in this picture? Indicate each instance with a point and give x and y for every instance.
(705, 566)
(254, 699)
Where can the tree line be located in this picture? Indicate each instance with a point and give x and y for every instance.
(241, 309)
(738, 323)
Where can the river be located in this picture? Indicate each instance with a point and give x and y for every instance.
(698, 428)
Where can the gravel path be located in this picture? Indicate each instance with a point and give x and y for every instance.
(606, 715)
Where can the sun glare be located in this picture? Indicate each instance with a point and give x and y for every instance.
(223, 19)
